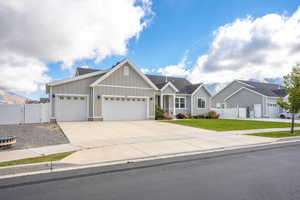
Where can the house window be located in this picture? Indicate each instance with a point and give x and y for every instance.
(126, 71)
(180, 102)
(201, 103)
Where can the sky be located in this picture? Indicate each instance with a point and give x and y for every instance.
(210, 41)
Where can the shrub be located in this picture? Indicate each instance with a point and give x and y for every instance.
(167, 116)
(159, 113)
(183, 116)
(200, 116)
(213, 115)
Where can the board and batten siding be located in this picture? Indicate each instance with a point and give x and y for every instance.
(245, 98)
(219, 97)
(133, 79)
(168, 90)
(201, 93)
(81, 87)
(187, 108)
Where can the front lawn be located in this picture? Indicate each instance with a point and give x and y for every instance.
(229, 124)
(277, 134)
(48, 158)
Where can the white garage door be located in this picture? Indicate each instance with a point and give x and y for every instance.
(71, 108)
(273, 110)
(121, 108)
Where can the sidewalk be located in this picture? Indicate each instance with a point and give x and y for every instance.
(36, 152)
(244, 132)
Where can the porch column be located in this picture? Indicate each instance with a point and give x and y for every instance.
(161, 101)
(174, 107)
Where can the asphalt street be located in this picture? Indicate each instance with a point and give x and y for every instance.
(258, 174)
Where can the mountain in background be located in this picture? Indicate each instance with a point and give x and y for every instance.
(7, 97)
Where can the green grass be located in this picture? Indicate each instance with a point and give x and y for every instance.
(48, 158)
(277, 134)
(229, 124)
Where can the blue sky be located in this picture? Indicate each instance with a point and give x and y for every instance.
(178, 31)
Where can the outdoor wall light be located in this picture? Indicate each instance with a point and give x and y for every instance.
(98, 97)
(151, 98)
(53, 95)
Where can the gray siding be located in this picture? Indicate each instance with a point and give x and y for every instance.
(187, 106)
(132, 80)
(106, 90)
(75, 87)
(203, 94)
(169, 90)
(245, 98)
(219, 98)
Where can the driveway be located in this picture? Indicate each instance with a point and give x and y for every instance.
(112, 141)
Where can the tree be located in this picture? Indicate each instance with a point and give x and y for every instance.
(292, 87)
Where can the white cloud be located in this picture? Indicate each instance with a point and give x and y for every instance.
(22, 74)
(67, 31)
(178, 69)
(265, 47)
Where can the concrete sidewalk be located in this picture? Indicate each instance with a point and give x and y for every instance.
(36, 152)
(245, 132)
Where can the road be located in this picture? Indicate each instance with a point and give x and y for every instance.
(261, 174)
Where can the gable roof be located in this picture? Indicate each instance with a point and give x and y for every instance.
(81, 71)
(183, 85)
(117, 66)
(267, 89)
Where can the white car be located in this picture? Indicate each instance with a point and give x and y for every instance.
(288, 115)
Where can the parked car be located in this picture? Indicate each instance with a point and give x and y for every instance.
(288, 115)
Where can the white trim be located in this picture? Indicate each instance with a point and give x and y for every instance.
(51, 103)
(203, 98)
(117, 67)
(76, 78)
(120, 86)
(237, 91)
(230, 84)
(71, 95)
(171, 85)
(200, 86)
(79, 95)
(179, 102)
(93, 102)
(174, 107)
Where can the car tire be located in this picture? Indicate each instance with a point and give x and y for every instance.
(282, 116)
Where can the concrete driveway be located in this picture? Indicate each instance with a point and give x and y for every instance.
(112, 141)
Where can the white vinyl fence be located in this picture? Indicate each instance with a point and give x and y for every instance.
(231, 113)
(24, 113)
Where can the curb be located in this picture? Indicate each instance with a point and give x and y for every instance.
(96, 169)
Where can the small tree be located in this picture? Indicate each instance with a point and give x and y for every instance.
(292, 87)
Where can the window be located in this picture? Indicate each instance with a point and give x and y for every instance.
(180, 102)
(126, 71)
(201, 103)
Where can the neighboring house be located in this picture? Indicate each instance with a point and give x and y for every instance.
(123, 92)
(260, 99)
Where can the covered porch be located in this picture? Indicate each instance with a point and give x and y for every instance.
(166, 102)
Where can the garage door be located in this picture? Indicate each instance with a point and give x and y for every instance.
(121, 108)
(71, 108)
(273, 110)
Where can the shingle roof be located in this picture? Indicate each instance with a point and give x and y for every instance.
(82, 71)
(182, 84)
(267, 89)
